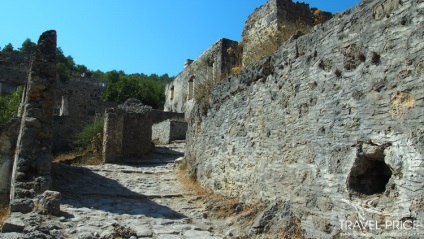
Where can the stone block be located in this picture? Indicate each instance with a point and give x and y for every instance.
(169, 130)
(23, 205)
(13, 224)
(48, 203)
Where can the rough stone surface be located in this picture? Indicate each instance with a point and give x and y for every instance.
(136, 199)
(13, 71)
(135, 106)
(8, 136)
(212, 66)
(128, 130)
(169, 130)
(32, 163)
(48, 203)
(77, 102)
(274, 22)
(13, 224)
(329, 114)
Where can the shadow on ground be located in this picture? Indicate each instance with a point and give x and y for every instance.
(82, 188)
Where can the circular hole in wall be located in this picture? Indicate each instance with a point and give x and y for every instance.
(369, 174)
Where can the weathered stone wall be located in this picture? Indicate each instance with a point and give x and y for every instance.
(77, 102)
(32, 162)
(212, 66)
(128, 130)
(275, 22)
(8, 136)
(169, 130)
(13, 71)
(333, 119)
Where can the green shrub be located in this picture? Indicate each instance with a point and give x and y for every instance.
(90, 138)
(9, 105)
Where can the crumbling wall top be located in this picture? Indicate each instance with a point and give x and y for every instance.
(133, 105)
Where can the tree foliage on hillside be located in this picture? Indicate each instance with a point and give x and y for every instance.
(8, 48)
(148, 89)
(28, 46)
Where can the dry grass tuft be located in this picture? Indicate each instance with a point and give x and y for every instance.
(4, 212)
(190, 182)
(79, 159)
(236, 70)
(231, 209)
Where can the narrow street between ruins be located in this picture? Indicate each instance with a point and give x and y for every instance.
(141, 199)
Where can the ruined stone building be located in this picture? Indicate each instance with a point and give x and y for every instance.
(129, 128)
(265, 30)
(213, 65)
(326, 131)
(31, 174)
(13, 71)
(77, 102)
(274, 23)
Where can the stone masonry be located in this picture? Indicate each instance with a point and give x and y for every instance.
(77, 103)
(128, 130)
(275, 22)
(77, 99)
(326, 131)
(265, 29)
(32, 163)
(13, 71)
(169, 130)
(8, 136)
(213, 65)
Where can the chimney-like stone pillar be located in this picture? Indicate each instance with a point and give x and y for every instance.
(32, 162)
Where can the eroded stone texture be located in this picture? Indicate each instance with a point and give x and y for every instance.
(275, 22)
(213, 65)
(316, 125)
(8, 136)
(77, 103)
(32, 164)
(169, 130)
(13, 70)
(128, 130)
(48, 203)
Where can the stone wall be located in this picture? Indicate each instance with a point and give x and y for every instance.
(275, 22)
(32, 161)
(333, 120)
(168, 131)
(77, 102)
(13, 71)
(212, 66)
(128, 130)
(8, 136)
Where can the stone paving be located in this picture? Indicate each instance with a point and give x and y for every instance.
(141, 199)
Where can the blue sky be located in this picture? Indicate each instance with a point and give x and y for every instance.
(136, 36)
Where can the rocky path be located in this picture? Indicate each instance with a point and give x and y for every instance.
(138, 199)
